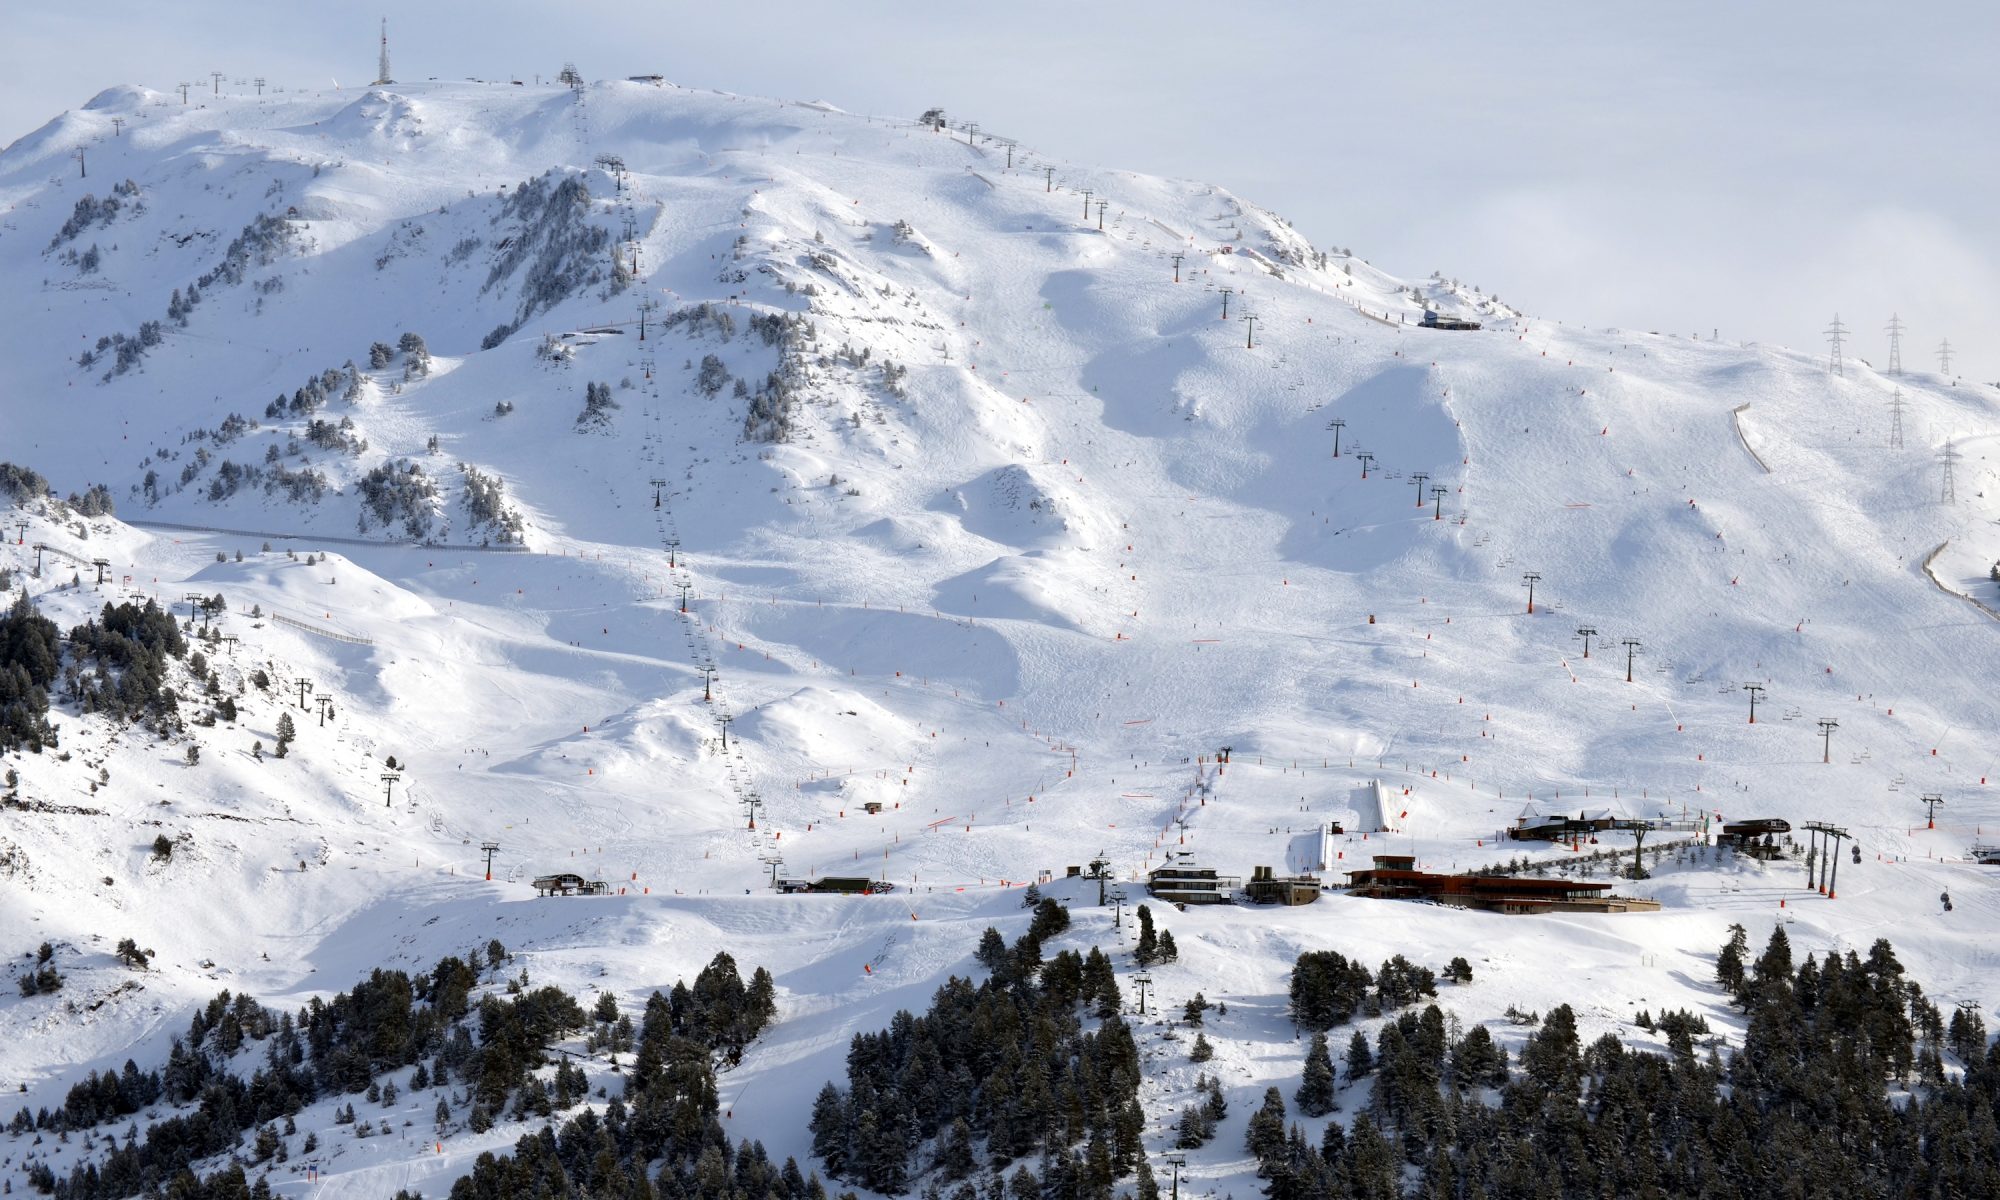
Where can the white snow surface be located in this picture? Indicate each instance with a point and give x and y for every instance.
(1090, 539)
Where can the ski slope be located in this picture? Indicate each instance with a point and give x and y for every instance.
(1019, 591)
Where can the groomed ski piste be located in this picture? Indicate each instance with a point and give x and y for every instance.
(1020, 590)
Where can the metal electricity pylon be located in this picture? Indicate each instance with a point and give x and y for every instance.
(1836, 338)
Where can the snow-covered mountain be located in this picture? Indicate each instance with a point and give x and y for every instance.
(497, 414)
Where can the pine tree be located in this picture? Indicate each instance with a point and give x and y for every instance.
(1316, 1090)
(992, 949)
(1360, 1059)
(1729, 963)
(1149, 941)
(1191, 1130)
(1264, 1136)
(954, 1157)
(829, 1130)
(1202, 1051)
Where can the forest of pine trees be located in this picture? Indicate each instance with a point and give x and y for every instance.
(116, 664)
(490, 1047)
(993, 1073)
(1804, 1108)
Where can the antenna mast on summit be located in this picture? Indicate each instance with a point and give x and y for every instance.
(382, 68)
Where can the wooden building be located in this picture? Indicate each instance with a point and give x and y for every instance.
(1393, 877)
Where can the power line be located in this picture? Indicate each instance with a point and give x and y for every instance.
(1896, 407)
(1948, 458)
(1944, 357)
(1895, 344)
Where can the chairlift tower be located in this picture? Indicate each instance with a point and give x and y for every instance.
(1931, 801)
(1337, 424)
(1631, 648)
(1529, 580)
(1586, 633)
(1755, 690)
(1829, 858)
(489, 849)
(1826, 727)
(389, 779)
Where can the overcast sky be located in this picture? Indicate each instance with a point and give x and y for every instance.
(1750, 166)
